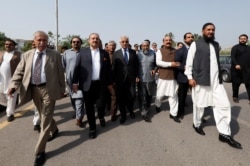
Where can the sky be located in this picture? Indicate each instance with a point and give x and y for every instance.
(137, 19)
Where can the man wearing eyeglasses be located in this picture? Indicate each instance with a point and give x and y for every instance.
(9, 60)
(69, 61)
(125, 75)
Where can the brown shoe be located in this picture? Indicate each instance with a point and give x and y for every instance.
(79, 123)
(235, 99)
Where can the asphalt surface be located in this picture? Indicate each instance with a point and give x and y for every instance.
(136, 143)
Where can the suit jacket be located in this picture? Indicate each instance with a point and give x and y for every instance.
(123, 71)
(240, 55)
(55, 82)
(83, 69)
(181, 56)
(13, 62)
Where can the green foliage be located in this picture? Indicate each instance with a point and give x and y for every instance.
(27, 46)
(2, 38)
(197, 36)
(248, 43)
(52, 39)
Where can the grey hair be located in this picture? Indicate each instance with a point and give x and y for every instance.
(37, 33)
(126, 37)
(112, 42)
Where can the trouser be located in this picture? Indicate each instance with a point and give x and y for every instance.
(182, 95)
(236, 86)
(222, 118)
(11, 104)
(45, 107)
(78, 106)
(145, 93)
(173, 103)
(111, 101)
(125, 93)
(95, 96)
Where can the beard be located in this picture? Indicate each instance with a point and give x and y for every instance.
(243, 43)
(208, 39)
(145, 52)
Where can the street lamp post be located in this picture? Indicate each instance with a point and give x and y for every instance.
(57, 25)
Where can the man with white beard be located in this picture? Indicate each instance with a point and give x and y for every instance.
(146, 86)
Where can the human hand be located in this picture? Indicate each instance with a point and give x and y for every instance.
(175, 64)
(237, 67)
(11, 91)
(75, 88)
(192, 83)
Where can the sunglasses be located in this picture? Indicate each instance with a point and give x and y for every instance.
(75, 41)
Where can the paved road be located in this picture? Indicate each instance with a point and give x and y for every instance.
(137, 143)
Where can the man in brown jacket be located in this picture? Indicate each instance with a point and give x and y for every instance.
(9, 60)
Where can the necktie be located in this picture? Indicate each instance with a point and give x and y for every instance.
(125, 56)
(38, 69)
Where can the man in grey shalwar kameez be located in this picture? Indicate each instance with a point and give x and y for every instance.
(146, 86)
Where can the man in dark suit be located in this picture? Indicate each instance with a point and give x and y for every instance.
(92, 75)
(181, 56)
(40, 77)
(125, 75)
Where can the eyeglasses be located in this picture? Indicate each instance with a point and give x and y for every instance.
(75, 41)
(124, 41)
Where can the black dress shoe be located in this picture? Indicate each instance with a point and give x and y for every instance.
(53, 136)
(132, 115)
(113, 118)
(92, 134)
(203, 120)
(37, 128)
(122, 120)
(10, 118)
(157, 109)
(175, 118)
(228, 139)
(102, 122)
(40, 159)
(235, 99)
(199, 130)
(146, 119)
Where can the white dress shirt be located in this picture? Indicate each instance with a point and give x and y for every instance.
(96, 64)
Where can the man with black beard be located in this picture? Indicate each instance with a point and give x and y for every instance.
(181, 56)
(240, 68)
(204, 76)
(146, 86)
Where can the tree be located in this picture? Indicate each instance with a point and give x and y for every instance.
(197, 36)
(27, 46)
(248, 43)
(52, 39)
(2, 39)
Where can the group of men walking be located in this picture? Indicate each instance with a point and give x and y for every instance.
(93, 75)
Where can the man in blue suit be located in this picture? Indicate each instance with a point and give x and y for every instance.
(181, 56)
(92, 75)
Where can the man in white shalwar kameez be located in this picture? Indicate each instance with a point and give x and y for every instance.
(9, 60)
(203, 72)
(167, 84)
